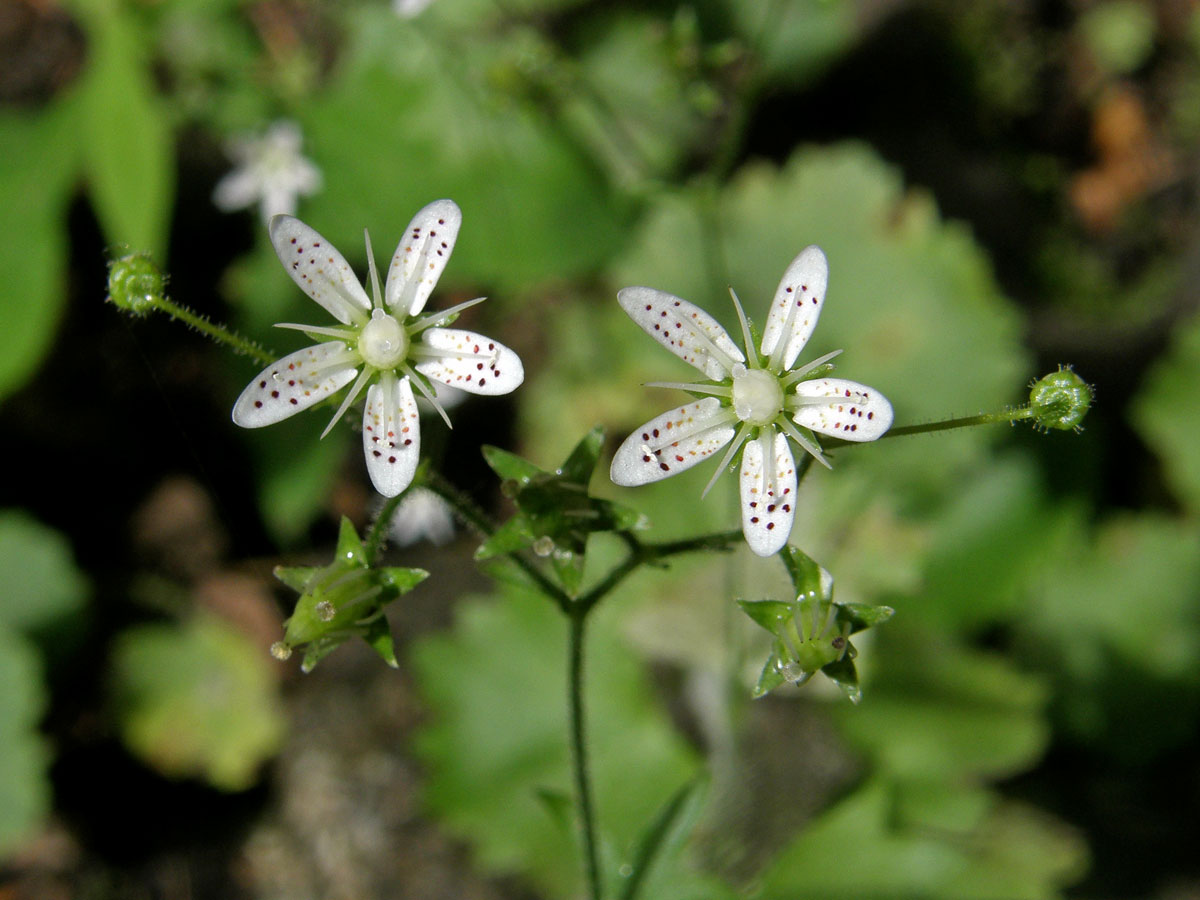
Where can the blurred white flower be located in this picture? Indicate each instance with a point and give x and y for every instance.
(422, 515)
(270, 171)
(409, 9)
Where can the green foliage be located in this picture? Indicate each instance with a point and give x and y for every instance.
(43, 590)
(197, 700)
(1120, 34)
(495, 681)
(40, 159)
(887, 841)
(25, 762)
(125, 135)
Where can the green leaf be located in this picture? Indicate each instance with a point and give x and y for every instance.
(870, 845)
(125, 135)
(41, 582)
(534, 208)
(514, 646)
(197, 700)
(664, 836)
(41, 159)
(25, 791)
(1162, 412)
(795, 40)
(938, 711)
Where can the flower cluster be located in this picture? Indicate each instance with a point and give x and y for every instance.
(751, 399)
(383, 345)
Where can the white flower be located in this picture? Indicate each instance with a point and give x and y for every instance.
(410, 9)
(270, 171)
(422, 515)
(385, 344)
(751, 399)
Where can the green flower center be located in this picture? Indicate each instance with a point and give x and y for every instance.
(757, 396)
(382, 341)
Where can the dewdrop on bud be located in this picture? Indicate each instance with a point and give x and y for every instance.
(1060, 400)
(281, 651)
(544, 545)
(135, 283)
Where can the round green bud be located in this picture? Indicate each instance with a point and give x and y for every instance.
(135, 283)
(1060, 400)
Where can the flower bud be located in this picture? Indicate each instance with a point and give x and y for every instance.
(1060, 400)
(135, 283)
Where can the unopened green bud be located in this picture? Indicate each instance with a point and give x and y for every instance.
(135, 283)
(1060, 400)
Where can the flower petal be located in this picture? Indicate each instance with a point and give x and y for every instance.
(854, 412)
(422, 255)
(673, 442)
(796, 307)
(683, 328)
(319, 269)
(468, 361)
(293, 383)
(768, 495)
(391, 434)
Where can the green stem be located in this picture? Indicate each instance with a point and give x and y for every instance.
(219, 333)
(374, 542)
(1004, 417)
(577, 621)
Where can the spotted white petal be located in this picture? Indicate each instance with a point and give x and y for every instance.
(295, 382)
(673, 442)
(421, 256)
(768, 492)
(683, 328)
(391, 434)
(796, 308)
(468, 361)
(319, 269)
(842, 409)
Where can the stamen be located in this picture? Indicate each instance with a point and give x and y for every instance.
(377, 295)
(726, 361)
(734, 445)
(428, 394)
(359, 384)
(717, 390)
(721, 417)
(799, 374)
(785, 336)
(405, 300)
(747, 341)
(441, 318)
(423, 351)
(342, 334)
(790, 430)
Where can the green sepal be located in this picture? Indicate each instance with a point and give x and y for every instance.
(770, 614)
(808, 578)
(379, 636)
(318, 650)
(582, 461)
(509, 466)
(400, 579)
(861, 616)
(568, 566)
(349, 545)
(295, 577)
(513, 536)
(770, 677)
(844, 674)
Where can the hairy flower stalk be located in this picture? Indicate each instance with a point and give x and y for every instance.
(753, 400)
(382, 344)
